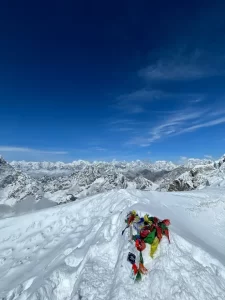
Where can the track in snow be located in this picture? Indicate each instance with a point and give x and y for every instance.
(76, 251)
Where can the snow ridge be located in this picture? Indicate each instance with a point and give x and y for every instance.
(76, 251)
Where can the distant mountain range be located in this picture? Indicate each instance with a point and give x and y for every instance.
(34, 185)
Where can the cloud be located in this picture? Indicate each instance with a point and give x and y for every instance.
(208, 156)
(122, 121)
(123, 129)
(126, 122)
(98, 148)
(218, 112)
(133, 102)
(197, 100)
(130, 108)
(139, 100)
(141, 95)
(181, 67)
(180, 122)
(183, 158)
(174, 71)
(172, 125)
(126, 126)
(203, 125)
(29, 150)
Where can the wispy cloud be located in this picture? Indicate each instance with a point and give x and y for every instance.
(122, 121)
(173, 125)
(217, 113)
(133, 102)
(129, 126)
(179, 123)
(139, 100)
(130, 108)
(174, 71)
(183, 158)
(98, 148)
(205, 124)
(141, 95)
(122, 129)
(29, 150)
(208, 156)
(198, 99)
(193, 66)
(126, 122)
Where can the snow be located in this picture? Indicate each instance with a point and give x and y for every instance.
(200, 176)
(28, 186)
(76, 251)
(32, 167)
(27, 191)
(79, 164)
(192, 162)
(81, 177)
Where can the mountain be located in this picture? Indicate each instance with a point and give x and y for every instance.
(92, 179)
(167, 179)
(200, 176)
(76, 251)
(26, 186)
(192, 162)
(17, 190)
(62, 182)
(60, 167)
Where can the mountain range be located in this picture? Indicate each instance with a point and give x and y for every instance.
(76, 250)
(26, 186)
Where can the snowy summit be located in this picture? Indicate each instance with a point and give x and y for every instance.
(76, 250)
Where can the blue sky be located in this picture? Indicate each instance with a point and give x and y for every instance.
(102, 80)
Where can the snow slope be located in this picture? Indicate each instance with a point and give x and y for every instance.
(76, 251)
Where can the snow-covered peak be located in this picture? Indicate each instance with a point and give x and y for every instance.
(16, 186)
(81, 178)
(2, 160)
(218, 163)
(164, 165)
(203, 173)
(192, 162)
(79, 164)
(58, 182)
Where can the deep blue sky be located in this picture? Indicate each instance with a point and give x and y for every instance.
(112, 79)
